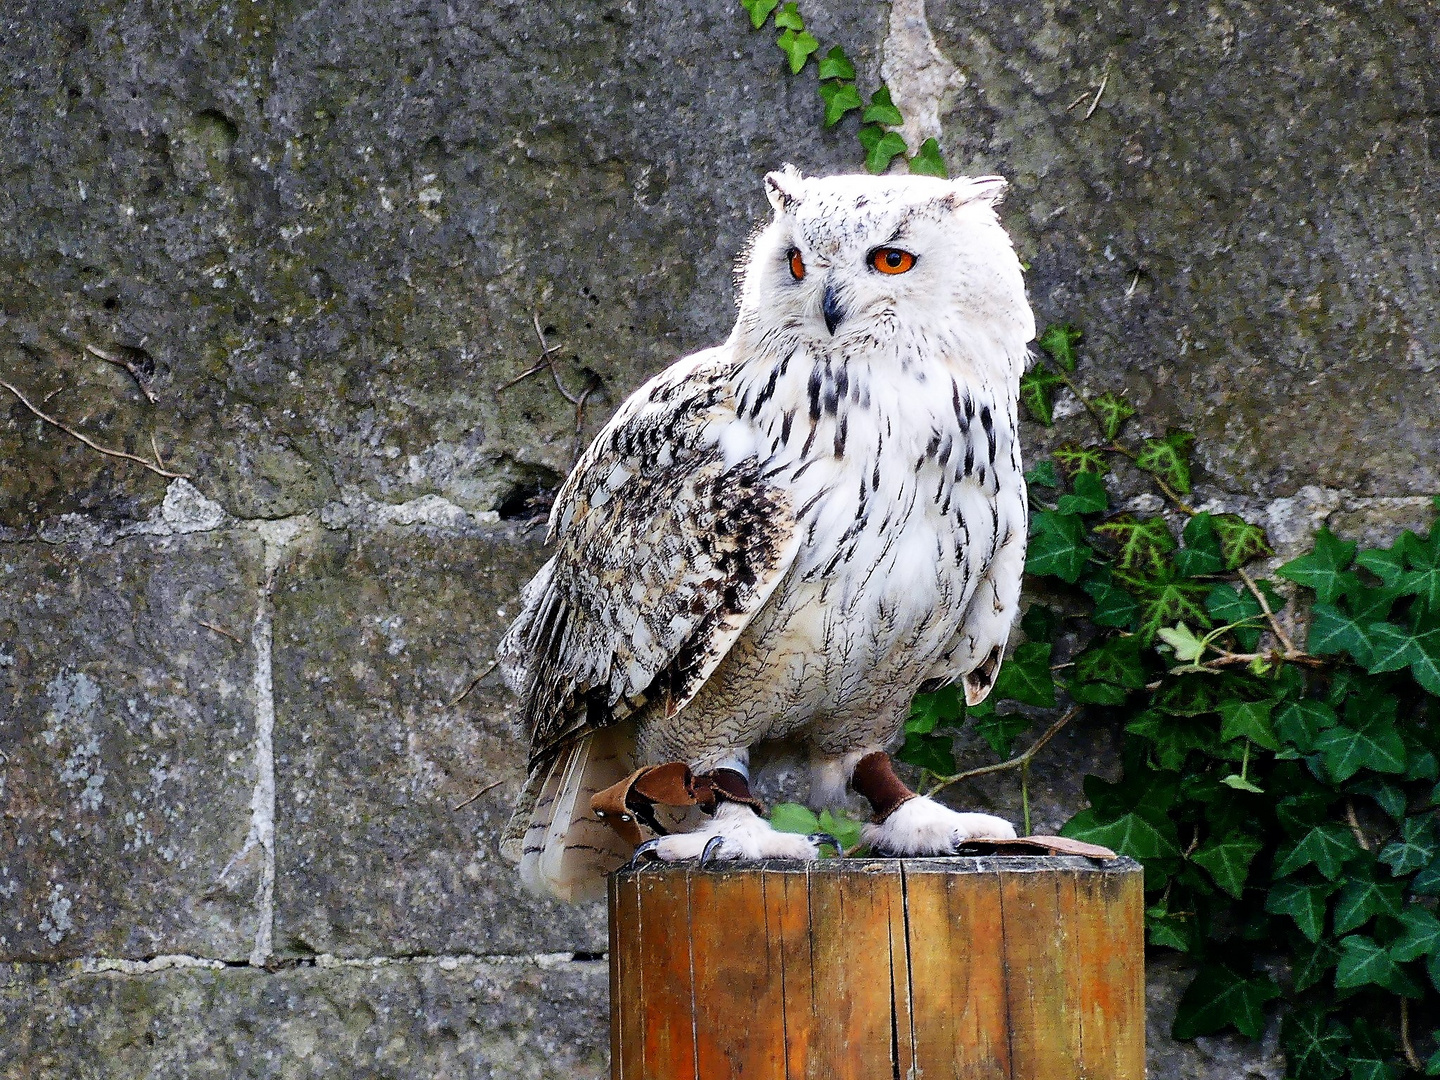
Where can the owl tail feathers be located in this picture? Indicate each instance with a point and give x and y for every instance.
(563, 849)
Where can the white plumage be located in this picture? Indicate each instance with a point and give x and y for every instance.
(790, 534)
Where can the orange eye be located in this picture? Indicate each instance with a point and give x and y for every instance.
(797, 264)
(891, 260)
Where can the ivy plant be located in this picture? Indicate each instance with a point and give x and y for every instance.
(1279, 772)
(839, 91)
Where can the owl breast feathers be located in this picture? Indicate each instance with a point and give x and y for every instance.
(788, 535)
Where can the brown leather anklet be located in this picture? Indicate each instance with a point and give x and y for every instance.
(730, 785)
(631, 803)
(875, 778)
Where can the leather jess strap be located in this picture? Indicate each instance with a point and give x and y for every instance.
(631, 803)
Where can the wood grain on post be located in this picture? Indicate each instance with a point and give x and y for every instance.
(1014, 967)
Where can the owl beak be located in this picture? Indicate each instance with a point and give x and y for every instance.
(830, 305)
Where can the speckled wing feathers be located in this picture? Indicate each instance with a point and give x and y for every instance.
(664, 552)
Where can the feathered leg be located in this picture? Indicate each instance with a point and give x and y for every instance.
(910, 824)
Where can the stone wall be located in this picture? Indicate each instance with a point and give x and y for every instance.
(295, 249)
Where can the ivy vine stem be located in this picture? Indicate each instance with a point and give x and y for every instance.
(1116, 446)
(1020, 761)
(1280, 634)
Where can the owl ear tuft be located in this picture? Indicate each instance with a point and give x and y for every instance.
(782, 188)
(986, 189)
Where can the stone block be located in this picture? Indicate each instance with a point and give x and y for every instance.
(324, 232)
(1242, 220)
(126, 747)
(376, 630)
(453, 1018)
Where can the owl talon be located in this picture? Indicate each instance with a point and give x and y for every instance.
(646, 852)
(712, 847)
(823, 839)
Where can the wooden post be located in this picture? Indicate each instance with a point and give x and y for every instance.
(1015, 967)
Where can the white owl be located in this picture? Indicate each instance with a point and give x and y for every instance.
(785, 536)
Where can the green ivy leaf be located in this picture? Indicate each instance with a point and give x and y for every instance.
(881, 147)
(1313, 965)
(1415, 847)
(1166, 603)
(1423, 766)
(1392, 648)
(1423, 577)
(928, 160)
(1419, 934)
(1167, 458)
(1370, 605)
(1059, 340)
(1387, 796)
(1201, 554)
(1043, 475)
(933, 752)
(1075, 459)
(1175, 930)
(789, 18)
(1375, 745)
(1130, 834)
(882, 110)
(1327, 847)
(1089, 496)
(1362, 899)
(1057, 546)
(1365, 963)
(1249, 720)
(1113, 411)
(836, 65)
(1098, 693)
(1230, 605)
(759, 10)
(1304, 902)
(1183, 642)
(797, 47)
(1037, 390)
(1425, 661)
(1240, 540)
(1427, 882)
(1388, 564)
(1116, 661)
(1333, 632)
(1026, 676)
(840, 98)
(939, 709)
(1372, 1054)
(1114, 606)
(1314, 1044)
(1000, 730)
(845, 829)
(1142, 543)
(1039, 622)
(1174, 737)
(1228, 860)
(1219, 998)
(1325, 568)
(1300, 723)
(794, 818)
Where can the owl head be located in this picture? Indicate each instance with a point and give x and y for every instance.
(881, 263)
